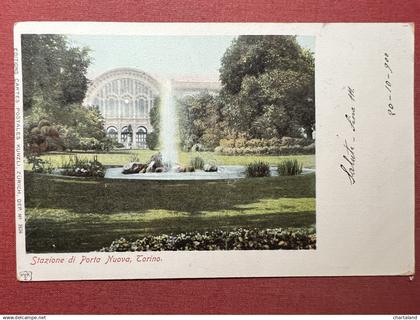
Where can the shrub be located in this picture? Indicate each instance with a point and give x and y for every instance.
(40, 165)
(219, 150)
(237, 239)
(227, 143)
(197, 163)
(253, 143)
(258, 169)
(273, 146)
(87, 144)
(287, 141)
(210, 140)
(152, 140)
(273, 142)
(309, 148)
(289, 168)
(198, 147)
(78, 167)
(240, 143)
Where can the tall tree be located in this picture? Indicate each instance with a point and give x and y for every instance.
(54, 86)
(53, 71)
(200, 120)
(268, 86)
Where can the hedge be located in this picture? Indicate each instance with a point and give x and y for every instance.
(274, 150)
(237, 239)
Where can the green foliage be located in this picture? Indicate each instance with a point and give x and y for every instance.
(218, 239)
(71, 138)
(273, 146)
(53, 70)
(152, 140)
(75, 128)
(257, 169)
(40, 165)
(87, 144)
(197, 163)
(289, 167)
(81, 167)
(268, 87)
(54, 86)
(200, 121)
(40, 137)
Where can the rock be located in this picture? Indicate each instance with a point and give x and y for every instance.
(150, 167)
(180, 169)
(132, 167)
(210, 168)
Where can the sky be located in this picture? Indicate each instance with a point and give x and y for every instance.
(172, 57)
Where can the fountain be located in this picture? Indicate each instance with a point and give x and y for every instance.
(164, 165)
(168, 122)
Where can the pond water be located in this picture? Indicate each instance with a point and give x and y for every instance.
(223, 173)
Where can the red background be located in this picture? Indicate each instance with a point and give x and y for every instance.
(395, 295)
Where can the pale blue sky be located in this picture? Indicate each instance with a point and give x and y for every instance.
(179, 57)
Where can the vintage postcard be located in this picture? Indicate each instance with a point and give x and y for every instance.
(191, 150)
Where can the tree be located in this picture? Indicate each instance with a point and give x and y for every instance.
(53, 71)
(152, 140)
(268, 87)
(200, 120)
(154, 115)
(54, 86)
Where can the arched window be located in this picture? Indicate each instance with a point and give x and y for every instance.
(127, 135)
(112, 132)
(141, 135)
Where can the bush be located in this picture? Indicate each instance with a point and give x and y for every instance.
(274, 146)
(198, 147)
(87, 144)
(309, 148)
(237, 239)
(152, 140)
(227, 143)
(219, 150)
(210, 140)
(197, 163)
(240, 143)
(289, 168)
(83, 167)
(258, 169)
(40, 165)
(253, 143)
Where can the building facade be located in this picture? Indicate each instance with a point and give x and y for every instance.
(125, 96)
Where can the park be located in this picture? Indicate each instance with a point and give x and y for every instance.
(135, 162)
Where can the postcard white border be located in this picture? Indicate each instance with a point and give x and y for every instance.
(362, 229)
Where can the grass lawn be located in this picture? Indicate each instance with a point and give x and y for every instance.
(77, 215)
(123, 157)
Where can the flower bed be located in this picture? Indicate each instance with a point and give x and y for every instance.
(83, 167)
(238, 239)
